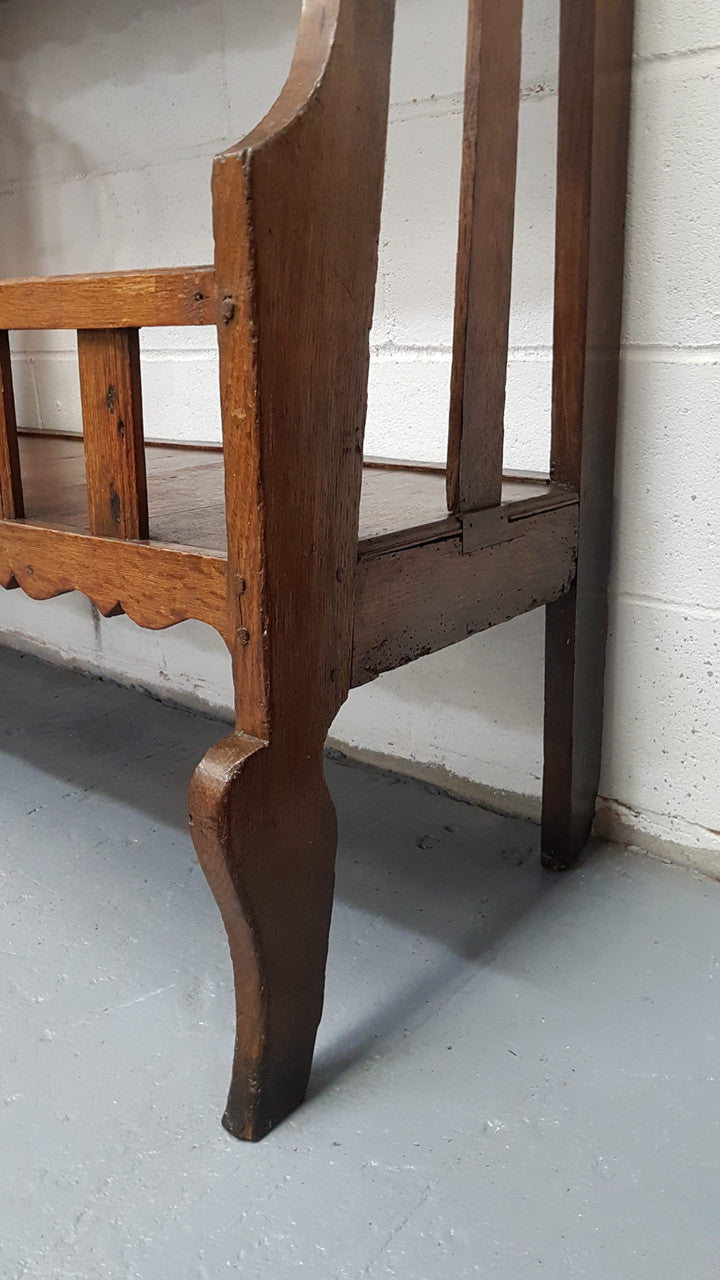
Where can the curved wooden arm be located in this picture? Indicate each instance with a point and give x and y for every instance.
(313, 48)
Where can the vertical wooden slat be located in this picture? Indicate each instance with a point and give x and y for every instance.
(11, 495)
(595, 58)
(484, 262)
(113, 430)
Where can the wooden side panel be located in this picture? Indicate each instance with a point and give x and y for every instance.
(297, 210)
(110, 300)
(595, 54)
(484, 263)
(533, 562)
(11, 494)
(113, 432)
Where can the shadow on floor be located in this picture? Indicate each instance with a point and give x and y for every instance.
(452, 877)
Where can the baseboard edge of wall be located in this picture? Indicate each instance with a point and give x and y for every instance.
(510, 804)
(668, 839)
(85, 664)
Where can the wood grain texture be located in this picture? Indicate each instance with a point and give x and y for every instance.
(484, 261)
(297, 213)
(297, 216)
(110, 300)
(416, 601)
(11, 491)
(111, 398)
(304, 607)
(156, 586)
(595, 54)
(400, 505)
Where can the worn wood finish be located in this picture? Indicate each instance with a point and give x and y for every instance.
(110, 300)
(595, 53)
(113, 432)
(156, 586)
(400, 505)
(11, 491)
(484, 262)
(297, 217)
(308, 600)
(420, 599)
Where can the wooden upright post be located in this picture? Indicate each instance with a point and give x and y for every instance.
(595, 54)
(113, 432)
(485, 250)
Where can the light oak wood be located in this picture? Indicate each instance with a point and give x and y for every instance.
(156, 586)
(110, 300)
(111, 398)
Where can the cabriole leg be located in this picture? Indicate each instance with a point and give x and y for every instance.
(264, 829)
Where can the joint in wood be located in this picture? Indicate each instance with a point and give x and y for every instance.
(493, 525)
(568, 498)
(486, 528)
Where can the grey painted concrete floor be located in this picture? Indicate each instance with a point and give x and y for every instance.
(517, 1074)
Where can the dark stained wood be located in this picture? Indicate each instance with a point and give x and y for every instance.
(110, 300)
(421, 599)
(156, 586)
(503, 524)
(311, 589)
(399, 506)
(485, 246)
(11, 492)
(595, 53)
(113, 432)
(297, 219)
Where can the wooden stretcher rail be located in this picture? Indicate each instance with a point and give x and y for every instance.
(155, 585)
(531, 565)
(110, 300)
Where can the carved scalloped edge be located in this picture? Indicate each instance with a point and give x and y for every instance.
(108, 606)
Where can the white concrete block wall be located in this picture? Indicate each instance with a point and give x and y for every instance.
(110, 116)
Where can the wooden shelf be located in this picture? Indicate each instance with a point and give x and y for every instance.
(400, 505)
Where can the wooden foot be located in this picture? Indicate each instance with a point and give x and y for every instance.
(264, 828)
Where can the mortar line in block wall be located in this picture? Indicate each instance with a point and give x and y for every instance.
(677, 55)
(648, 601)
(667, 353)
(435, 105)
(392, 351)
